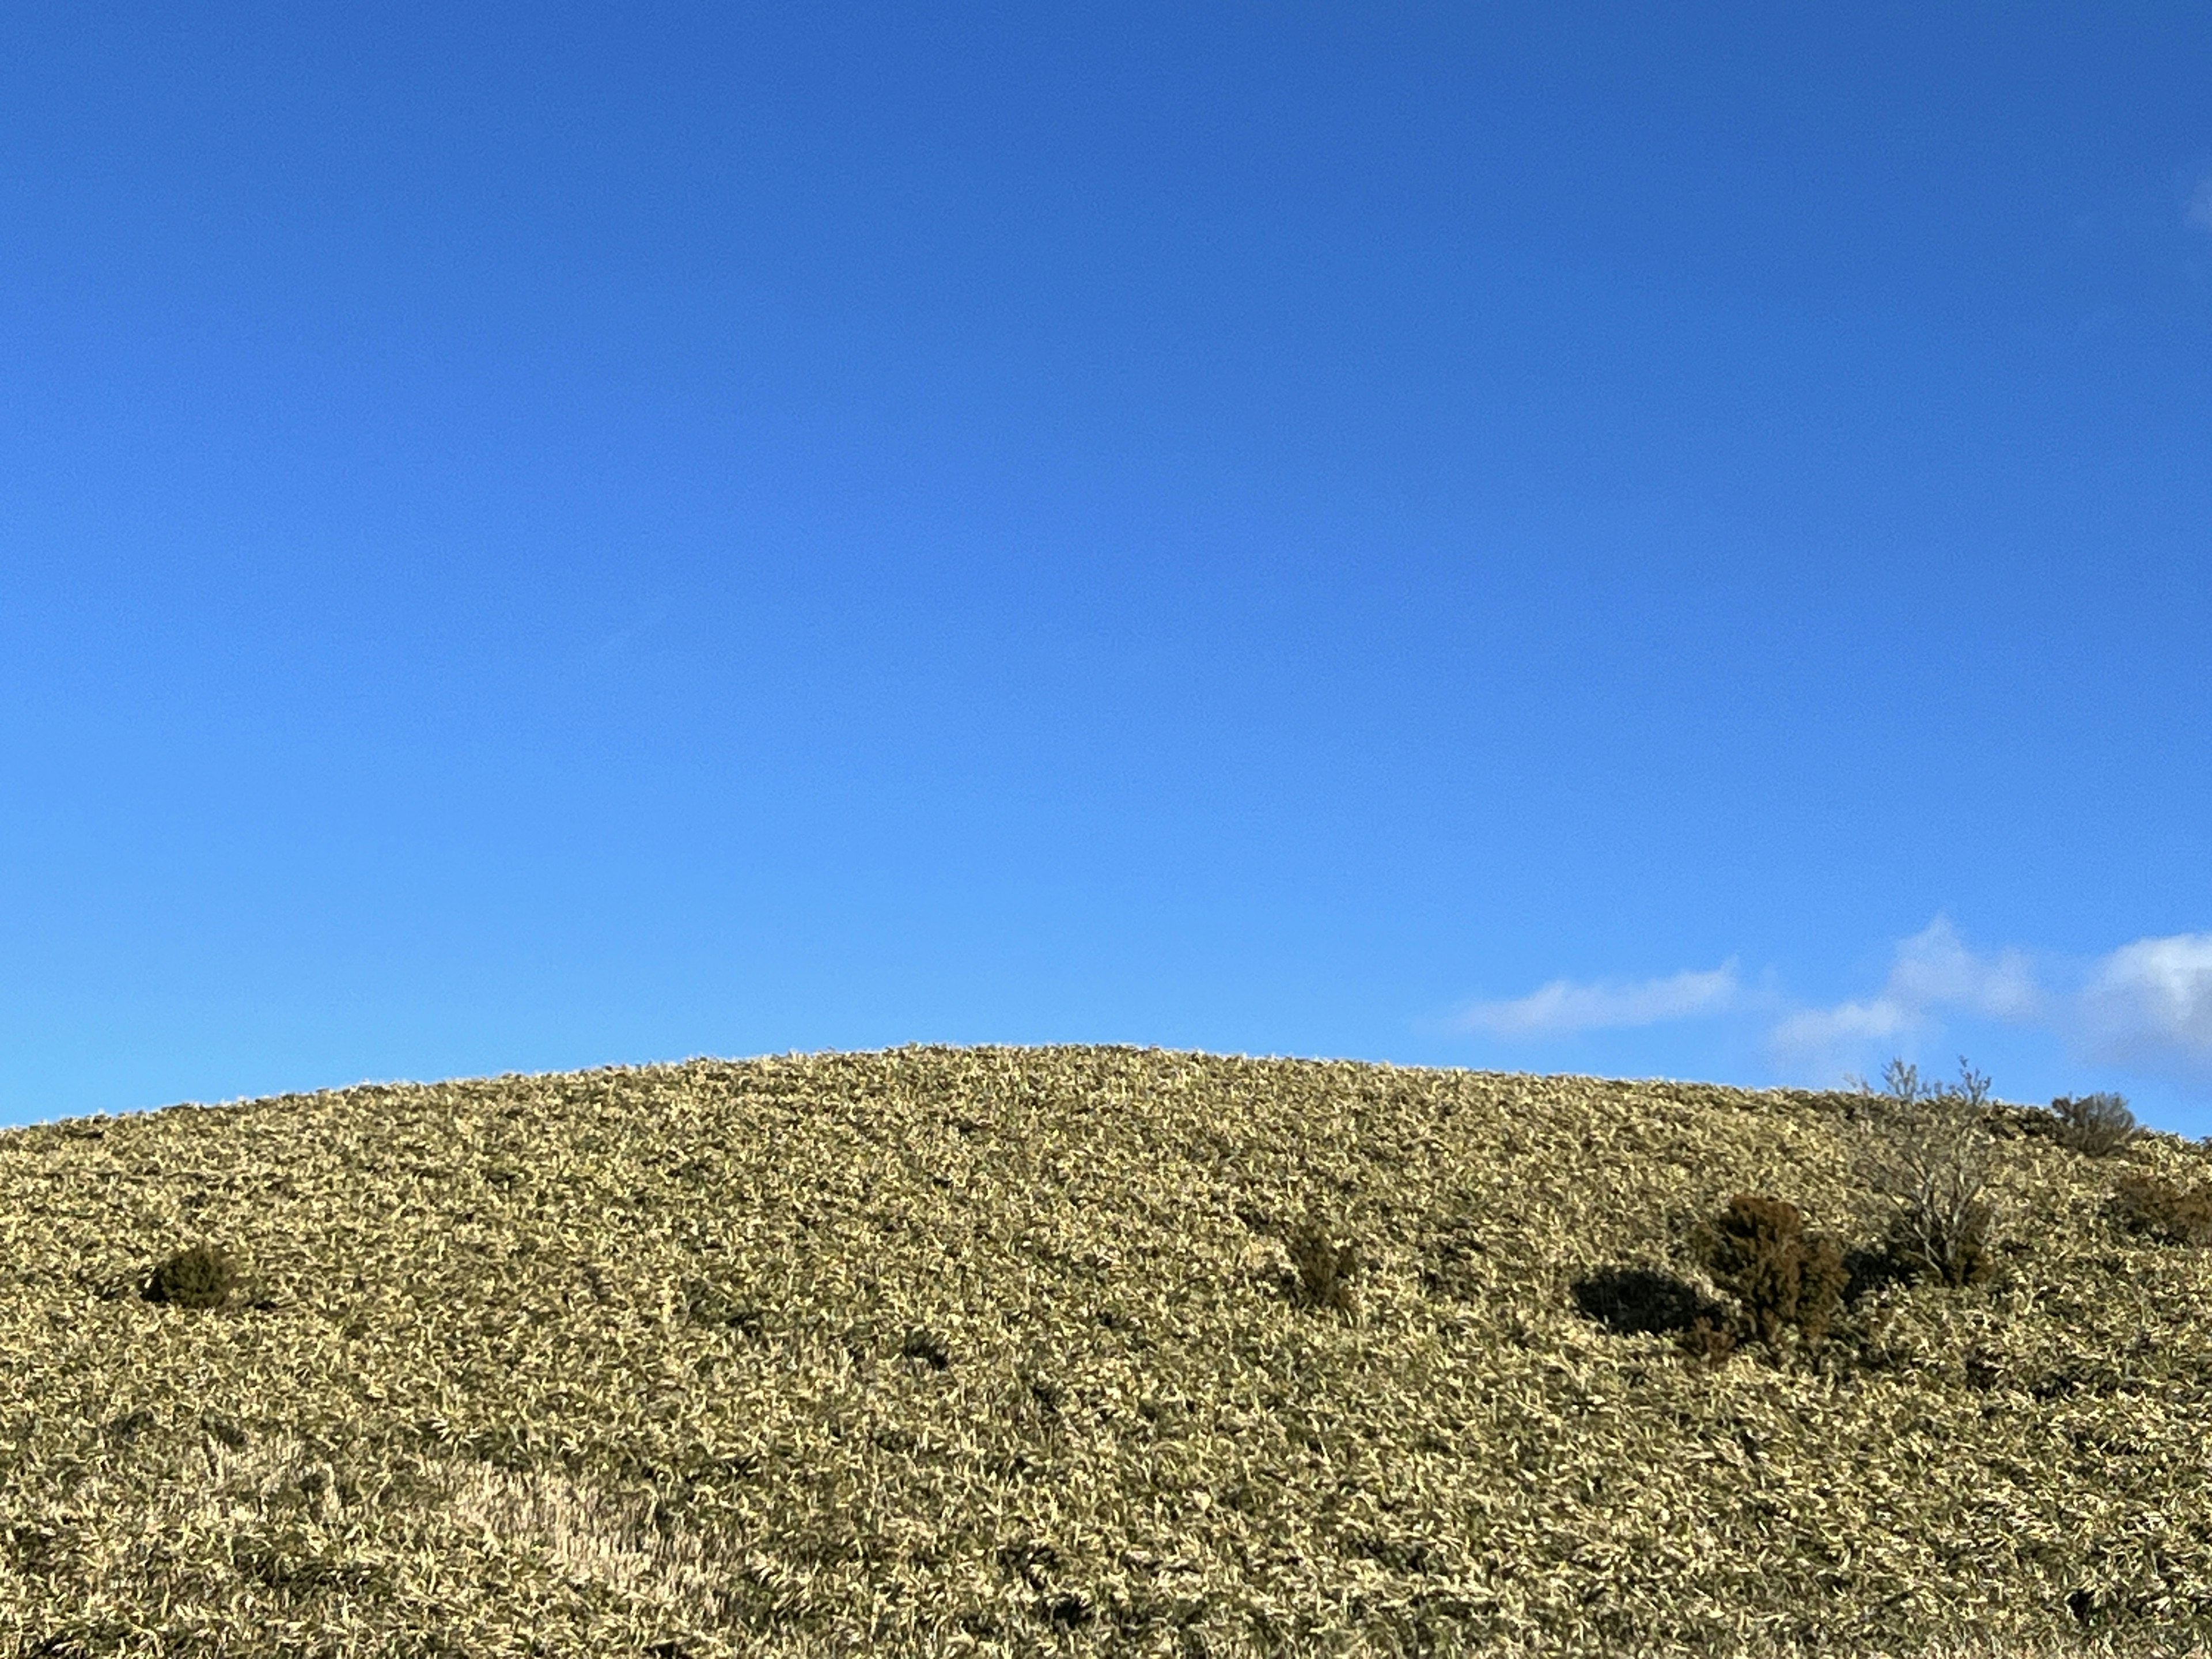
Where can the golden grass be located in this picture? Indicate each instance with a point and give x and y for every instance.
(997, 1351)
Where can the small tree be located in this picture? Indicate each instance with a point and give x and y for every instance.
(1929, 1163)
(1901, 1082)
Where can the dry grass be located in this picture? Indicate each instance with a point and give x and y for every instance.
(1072, 1351)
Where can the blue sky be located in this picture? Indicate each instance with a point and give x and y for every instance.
(1640, 540)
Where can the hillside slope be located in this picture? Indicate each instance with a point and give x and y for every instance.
(1005, 1351)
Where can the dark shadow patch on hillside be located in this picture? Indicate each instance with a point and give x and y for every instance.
(1871, 1267)
(1643, 1301)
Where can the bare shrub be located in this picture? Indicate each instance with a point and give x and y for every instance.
(1758, 1251)
(2095, 1124)
(1929, 1161)
(1900, 1081)
(2149, 1204)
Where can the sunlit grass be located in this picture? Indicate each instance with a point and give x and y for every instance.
(1068, 1350)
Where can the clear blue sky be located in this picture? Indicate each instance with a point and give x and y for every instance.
(1651, 540)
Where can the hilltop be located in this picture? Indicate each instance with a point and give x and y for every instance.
(1077, 1349)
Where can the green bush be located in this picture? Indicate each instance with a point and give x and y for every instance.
(1324, 1270)
(201, 1277)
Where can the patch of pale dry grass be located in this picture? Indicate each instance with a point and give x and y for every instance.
(588, 1537)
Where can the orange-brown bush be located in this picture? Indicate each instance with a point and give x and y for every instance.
(1710, 1341)
(1758, 1251)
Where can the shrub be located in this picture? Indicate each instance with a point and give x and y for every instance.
(1324, 1268)
(1758, 1251)
(2147, 1204)
(1901, 1082)
(201, 1277)
(1929, 1163)
(2096, 1125)
(1710, 1341)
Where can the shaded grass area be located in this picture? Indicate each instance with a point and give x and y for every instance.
(1074, 1350)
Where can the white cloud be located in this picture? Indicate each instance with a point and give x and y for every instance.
(1932, 973)
(1935, 969)
(1564, 1006)
(2200, 204)
(2147, 1006)
(1815, 1030)
(2150, 1004)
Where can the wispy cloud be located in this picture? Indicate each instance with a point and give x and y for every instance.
(2150, 1004)
(1564, 1007)
(2147, 1006)
(1932, 973)
(2200, 204)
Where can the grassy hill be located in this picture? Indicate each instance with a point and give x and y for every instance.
(1076, 1349)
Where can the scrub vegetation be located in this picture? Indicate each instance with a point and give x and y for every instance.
(1104, 1351)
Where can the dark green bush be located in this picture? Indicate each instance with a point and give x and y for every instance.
(2095, 1124)
(201, 1277)
(1324, 1270)
(2149, 1204)
(1758, 1251)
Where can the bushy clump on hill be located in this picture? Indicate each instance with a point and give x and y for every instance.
(201, 1277)
(2096, 1125)
(1784, 1277)
(1111, 1350)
